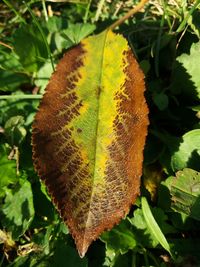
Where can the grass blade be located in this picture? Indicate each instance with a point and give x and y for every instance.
(153, 226)
(184, 22)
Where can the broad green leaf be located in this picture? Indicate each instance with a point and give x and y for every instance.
(11, 80)
(18, 210)
(89, 134)
(120, 238)
(7, 171)
(185, 192)
(32, 53)
(188, 153)
(153, 226)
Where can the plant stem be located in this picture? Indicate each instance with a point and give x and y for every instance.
(45, 10)
(87, 11)
(6, 45)
(133, 263)
(133, 11)
(42, 34)
(14, 10)
(7, 97)
(166, 14)
(157, 52)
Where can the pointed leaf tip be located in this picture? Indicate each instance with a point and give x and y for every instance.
(89, 135)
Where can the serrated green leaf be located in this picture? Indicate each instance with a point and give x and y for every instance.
(76, 32)
(188, 154)
(153, 226)
(18, 210)
(185, 192)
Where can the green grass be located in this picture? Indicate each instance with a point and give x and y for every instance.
(165, 220)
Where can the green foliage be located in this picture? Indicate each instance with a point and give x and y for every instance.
(188, 153)
(7, 171)
(185, 190)
(33, 53)
(165, 39)
(18, 210)
(153, 226)
(120, 238)
(186, 67)
(75, 33)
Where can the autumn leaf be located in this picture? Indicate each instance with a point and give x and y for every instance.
(89, 134)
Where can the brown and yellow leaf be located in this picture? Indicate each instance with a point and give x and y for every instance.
(89, 134)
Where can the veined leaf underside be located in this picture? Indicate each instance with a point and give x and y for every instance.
(89, 134)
